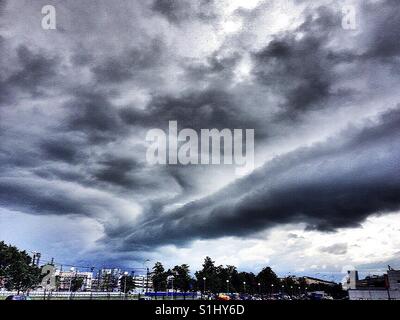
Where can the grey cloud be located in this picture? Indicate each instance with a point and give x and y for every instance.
(302, 69)
(209, 108)
(60, 150)
(118, 171)
(22, 195)
(92, 114)
(33, 75)
(384, 28)
(179, 11)
(86, 142)
(336, 249)
(328, 186)
(129, 64)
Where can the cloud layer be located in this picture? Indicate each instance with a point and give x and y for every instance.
(76, 103)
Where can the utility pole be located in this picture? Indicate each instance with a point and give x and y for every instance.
(36, 258)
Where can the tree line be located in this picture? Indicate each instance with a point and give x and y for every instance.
(18, 273)
(215, 279)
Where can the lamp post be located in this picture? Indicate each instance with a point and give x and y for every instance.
(272, 290)
(259, 288)
(171, 278)
(227, 286)
(244, 286)
(204, 284)
(147, 274)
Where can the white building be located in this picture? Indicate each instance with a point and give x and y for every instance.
(65, 280)
(364, 290)
(143, 283)
(393, 277)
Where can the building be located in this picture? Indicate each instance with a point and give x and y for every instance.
(66, 279)
(381, 287)
(393, 278)
(310, 281)
(143, 283)
(107, 280)
(352, 279)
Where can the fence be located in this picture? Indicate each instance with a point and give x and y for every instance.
(57, 295)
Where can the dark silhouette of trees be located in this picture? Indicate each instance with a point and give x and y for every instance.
(159, 277)
(16, 269)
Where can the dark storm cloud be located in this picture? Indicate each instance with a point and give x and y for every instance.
(129, 64)
(28, 195)
(382, 19)
(301, 68)
(91, 113)
(178, 11)
(60, 150)
(118, 171)
(85, 142)
(3, 4)
(209, 108)
(34, 73)
(328, 186)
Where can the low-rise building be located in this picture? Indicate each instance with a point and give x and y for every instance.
(143, 283)
(311, 281)
(67, 279)
(381, 287)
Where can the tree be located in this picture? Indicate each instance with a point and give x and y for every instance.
(76, 284)
(289, 285)
(16, 269)
(181, 277)
(247, 282)
(127, 283)
(212, 275)
(268, 280)
(159, 277)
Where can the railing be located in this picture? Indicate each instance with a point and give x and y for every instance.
(63, 295)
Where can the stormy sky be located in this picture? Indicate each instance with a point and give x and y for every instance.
(76, 104)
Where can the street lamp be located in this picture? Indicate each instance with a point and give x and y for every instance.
(259, 288)
(147, 273)
(244, 286)
(227, 286)
(204, 284)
